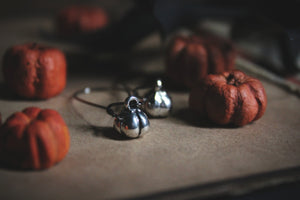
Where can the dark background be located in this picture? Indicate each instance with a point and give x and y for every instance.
(45, 8)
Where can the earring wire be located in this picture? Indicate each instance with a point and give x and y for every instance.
(108, 108)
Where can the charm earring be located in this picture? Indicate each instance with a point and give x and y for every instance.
(156, 103)
(132, 121)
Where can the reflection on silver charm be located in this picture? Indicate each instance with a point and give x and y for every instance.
(157, 102)
(132, 122)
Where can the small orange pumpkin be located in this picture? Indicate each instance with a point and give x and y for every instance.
(191, 58)
(35, 71)
(34, 139)
(229, 97)
(77, 19)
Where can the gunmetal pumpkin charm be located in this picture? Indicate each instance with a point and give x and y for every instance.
(131, 122)
(229, 97)
(157, 102)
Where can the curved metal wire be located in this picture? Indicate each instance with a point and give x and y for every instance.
(88, 90)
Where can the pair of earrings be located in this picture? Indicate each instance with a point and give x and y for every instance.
(132, 121)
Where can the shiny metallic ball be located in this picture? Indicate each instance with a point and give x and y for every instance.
(157, 102)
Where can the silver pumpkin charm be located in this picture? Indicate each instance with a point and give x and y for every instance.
(131, 121)
(157, 103)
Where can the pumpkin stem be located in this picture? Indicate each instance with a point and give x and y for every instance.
(231, 80)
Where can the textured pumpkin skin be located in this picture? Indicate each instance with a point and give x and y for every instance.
(229, 98)
(81, 19)
(191, 58)
(35, 71)
(34, 139)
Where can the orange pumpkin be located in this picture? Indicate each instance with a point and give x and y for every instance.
(191, 58)
(81, 19)
(34, 139)
(229, 97)
(35, 71)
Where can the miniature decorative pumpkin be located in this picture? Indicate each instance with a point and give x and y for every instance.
(81, 19)
(191, 58)
(229, 97)
(35, 71)
(34, 139)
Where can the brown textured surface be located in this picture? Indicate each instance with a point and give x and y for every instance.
(176, 154)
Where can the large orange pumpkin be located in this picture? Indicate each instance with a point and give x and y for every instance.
(229, 97)
(35, 71)
(34, 139)
(191, 58)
